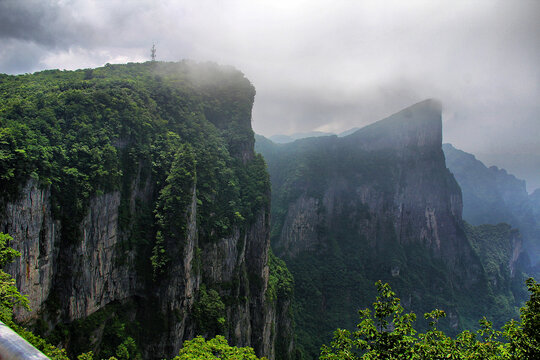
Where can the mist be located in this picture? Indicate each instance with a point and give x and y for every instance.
(317, 65)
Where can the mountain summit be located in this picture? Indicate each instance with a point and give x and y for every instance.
(417, 125)
(378, 204)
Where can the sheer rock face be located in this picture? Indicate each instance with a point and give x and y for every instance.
(376, 204)
(35, 235)
(412, 190)
(107, 265)
(225, 261)
(83, 275)
(99, 269)
(96, 278)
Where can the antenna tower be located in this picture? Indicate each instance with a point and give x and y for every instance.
(153, 52)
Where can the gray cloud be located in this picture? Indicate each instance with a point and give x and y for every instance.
(318, 64)
(44, 22)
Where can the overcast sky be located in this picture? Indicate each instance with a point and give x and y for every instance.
(317, 65)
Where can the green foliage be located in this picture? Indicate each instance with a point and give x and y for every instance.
(88, 132)
(387, 333)
(374, 333)
(494, 245)
(10, 298)
(280, 280)
(524, 336)
(159, 258)
(216, 348)
(9, 295)
(209, 312)
(128, 350)
(108, 332)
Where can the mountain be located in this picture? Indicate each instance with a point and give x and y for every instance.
(380, 203)
(525, 166)
(140, 209)
(491, 195)
(283, 139)
(348, 132)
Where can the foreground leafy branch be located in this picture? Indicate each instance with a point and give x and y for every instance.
(386, 333)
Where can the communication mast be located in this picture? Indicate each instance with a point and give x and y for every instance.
(153, 52)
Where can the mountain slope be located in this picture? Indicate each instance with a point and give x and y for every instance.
(139, 207)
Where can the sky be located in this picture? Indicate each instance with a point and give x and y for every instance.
(325, 65)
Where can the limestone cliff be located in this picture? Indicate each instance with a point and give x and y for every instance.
(393, 170)
(376, 204)
(141, 209)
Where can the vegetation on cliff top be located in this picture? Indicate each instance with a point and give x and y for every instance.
(86, 132)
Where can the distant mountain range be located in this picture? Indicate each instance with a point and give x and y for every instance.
(284, 139)
(492, 195)
(524, 166)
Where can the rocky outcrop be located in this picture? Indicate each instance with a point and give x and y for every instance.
(83, 276)
(376, 204)
(237, 268)
(97, 279)
(393, 171)
(149, 133)
(299, 231)
(416, 127)
(36, 235)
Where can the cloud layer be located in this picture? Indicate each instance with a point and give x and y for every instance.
(318, 64)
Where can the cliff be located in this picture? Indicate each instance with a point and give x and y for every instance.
(376, 204)
(140, 209)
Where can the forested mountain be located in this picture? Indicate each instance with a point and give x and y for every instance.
(380, 204)
(491, 195)
(140, 209)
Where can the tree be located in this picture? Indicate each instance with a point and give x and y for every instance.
(524, 336)
(216, 348)
(386, 333)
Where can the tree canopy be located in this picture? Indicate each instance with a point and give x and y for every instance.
(385, 332)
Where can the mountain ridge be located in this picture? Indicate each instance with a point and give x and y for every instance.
(378, 204)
